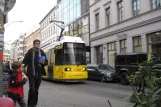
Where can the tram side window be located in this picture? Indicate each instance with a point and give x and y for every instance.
(59, 59)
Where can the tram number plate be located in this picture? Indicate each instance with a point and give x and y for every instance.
(78, 69)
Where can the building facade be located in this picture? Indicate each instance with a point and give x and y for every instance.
(28, 41)
(123, 26)
(13, 55)
(6, 55)
(17, 48)
(48, 30)
(75, 14)
(6, 52)
(70, 10)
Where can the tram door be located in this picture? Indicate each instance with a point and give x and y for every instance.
(50, 64)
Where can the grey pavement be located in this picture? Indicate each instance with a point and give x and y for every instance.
(87, 94)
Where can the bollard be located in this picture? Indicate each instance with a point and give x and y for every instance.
(6, 102)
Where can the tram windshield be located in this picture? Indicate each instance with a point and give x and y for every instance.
(74, 53)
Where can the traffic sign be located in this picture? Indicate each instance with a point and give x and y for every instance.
(6, 5)
(9, 5)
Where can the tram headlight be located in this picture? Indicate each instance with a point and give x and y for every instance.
(84, 69)
(67, 69)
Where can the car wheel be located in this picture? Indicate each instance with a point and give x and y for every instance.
(123, 79)
(103, 78)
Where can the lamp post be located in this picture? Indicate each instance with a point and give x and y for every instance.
(5, 7)
(61, 27)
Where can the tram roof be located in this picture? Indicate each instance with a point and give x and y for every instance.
(71, 39)
(65, 39)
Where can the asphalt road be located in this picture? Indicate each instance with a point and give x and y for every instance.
(87, 94)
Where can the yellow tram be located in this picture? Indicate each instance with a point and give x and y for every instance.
(66, 60)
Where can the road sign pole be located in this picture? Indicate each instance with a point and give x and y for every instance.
(5, 7)
(1, 51)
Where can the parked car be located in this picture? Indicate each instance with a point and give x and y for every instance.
(127, 64)
(101, 72)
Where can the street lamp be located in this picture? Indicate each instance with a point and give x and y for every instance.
(12, 23)
(61, 27)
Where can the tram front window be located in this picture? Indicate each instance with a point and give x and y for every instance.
(74, 53)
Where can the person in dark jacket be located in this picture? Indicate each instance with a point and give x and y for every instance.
(7, 65)
(6, 73)
(15, 84)
(35, 69)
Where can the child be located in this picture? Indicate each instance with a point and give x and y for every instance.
(15, 84)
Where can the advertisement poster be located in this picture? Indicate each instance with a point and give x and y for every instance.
(1, 53)
(1, 39)
(1, 45)
(1, 56)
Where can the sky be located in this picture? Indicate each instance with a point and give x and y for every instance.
(31, 12)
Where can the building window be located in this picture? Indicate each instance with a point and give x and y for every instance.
(123, 46)
(97, 21)
(54, 29)
(49, 32)
(137, 44)
(155, 4)
(120, 10)
(21, 42)
(107, 16)
(21, 37)
(54, 15)
(154, 42)
(96, 0)
(71, 29)
(136, 7)
(21, 48)
(99, 54)
(111, 53)
(76, 28)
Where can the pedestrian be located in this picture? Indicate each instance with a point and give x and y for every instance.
(15, 84)
(35, 62)
(7, 65)
(6, 73)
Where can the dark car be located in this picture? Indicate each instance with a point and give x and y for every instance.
(127, 64)
(101, 72)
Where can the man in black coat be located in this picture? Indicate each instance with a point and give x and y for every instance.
(35, 69)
